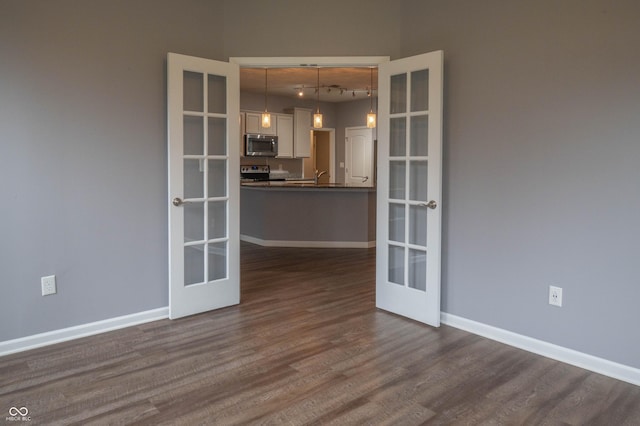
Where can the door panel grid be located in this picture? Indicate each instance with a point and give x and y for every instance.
(408, 159)
(205, 176)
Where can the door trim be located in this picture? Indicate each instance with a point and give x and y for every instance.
(309, 61)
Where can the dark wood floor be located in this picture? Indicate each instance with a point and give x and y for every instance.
(306, 346)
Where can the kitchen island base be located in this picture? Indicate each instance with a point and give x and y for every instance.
(335, 217)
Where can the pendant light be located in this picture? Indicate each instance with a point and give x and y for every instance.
(317, 117)
(266, 117)
(371, 117)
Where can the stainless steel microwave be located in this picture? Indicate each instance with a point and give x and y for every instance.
(256, 145)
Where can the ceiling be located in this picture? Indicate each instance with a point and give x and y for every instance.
(336, 84)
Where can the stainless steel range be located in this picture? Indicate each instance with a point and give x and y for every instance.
(254, 173)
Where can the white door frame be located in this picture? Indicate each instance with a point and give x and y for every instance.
(309, 61)
(312, 62)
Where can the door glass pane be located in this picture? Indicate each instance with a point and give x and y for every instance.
(420, 90)
(217, 136)
(396, 222)
(418, 225)
(217, 253)
(217, 178)
(397, 178)
(193, 96)
(217, 219)
(398, 137)
(419, 135)
(418, 180)
(193, 179)
(217, 86)
(418, 269)
(398, 95)
(193, 222)
(193, 136)
(396, 265)
(193, 264)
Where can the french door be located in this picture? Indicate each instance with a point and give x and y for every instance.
(204, 199)
(409, 187)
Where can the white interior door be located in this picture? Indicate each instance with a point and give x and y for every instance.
(409, 187)
(359, 156)
(204, 198)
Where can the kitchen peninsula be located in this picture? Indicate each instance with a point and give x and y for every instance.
(303, 214)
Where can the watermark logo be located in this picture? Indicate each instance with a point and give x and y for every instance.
(18, 415)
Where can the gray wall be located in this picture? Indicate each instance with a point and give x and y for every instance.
(83, 154)
(542, 100)
(541, 175)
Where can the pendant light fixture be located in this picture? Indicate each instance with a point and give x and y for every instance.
(266, 117)
(317, 117)
(371, 117)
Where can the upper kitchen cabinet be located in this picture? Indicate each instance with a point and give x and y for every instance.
(253, 124)
(301, 133)
(241, 132)
(285, 135)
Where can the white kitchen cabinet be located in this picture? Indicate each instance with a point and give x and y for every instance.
(301, 133)
(253, 124)
(285, 134)
(242, 127)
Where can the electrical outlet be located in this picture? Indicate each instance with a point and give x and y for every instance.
(48, 285)
(555, 296)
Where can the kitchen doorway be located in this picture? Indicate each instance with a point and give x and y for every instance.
(323, 154)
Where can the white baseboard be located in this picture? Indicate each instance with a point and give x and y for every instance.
(70, 333)
(308, 244)
(549, 350)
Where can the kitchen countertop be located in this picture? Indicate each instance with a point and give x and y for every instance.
(306, 185)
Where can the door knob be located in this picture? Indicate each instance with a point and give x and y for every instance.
(177, 202)
(431, 204)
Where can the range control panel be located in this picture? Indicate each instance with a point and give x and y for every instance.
(254, 169)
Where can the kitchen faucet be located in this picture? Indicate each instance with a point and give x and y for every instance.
(317, 175)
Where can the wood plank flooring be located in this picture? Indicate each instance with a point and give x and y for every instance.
(306, 346)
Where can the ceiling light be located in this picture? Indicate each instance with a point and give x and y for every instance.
(371, 117)
(300, 92)
(317, 117)
(266, 117)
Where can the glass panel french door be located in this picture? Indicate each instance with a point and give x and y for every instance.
(409, 187)
(203, 111)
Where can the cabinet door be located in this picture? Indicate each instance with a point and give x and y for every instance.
(285, 135)
(242, 131)
(302, 135)
(252, 122)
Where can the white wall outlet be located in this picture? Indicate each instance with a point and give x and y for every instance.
(555, 296)
(48, 285)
